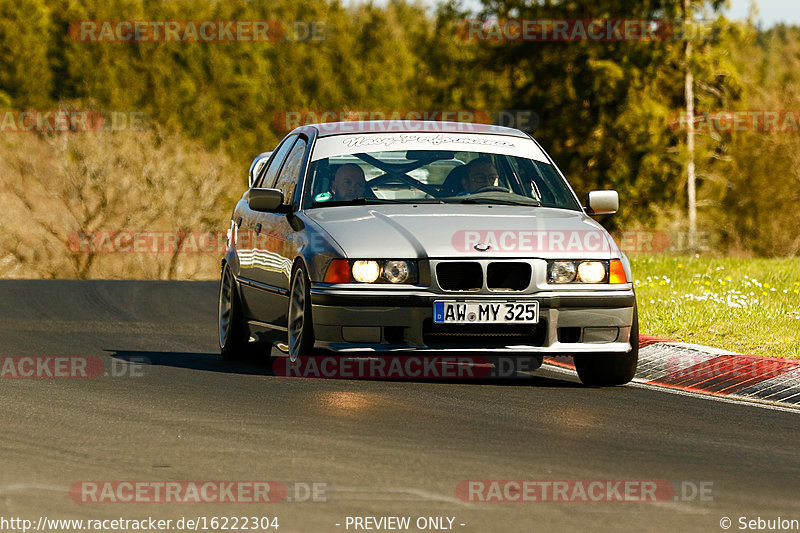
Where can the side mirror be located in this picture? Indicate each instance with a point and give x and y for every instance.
(265, 199)
(602, 202)
(256, 166)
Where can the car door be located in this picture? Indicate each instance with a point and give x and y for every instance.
(251, 248)
(276, 236)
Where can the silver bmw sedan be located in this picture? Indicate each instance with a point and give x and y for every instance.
(395, 236)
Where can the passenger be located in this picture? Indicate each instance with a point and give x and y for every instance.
(348, 183)
(480, 173)
(452, 183)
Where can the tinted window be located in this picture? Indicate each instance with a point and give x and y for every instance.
(287, 180)
(267, 180)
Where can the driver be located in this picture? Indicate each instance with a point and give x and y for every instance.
(480, 173)
(348, 183)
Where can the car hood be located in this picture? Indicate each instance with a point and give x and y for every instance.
(463, 230)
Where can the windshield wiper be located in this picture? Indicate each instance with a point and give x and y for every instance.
(373, 201)
(504, 200)
(354, 201)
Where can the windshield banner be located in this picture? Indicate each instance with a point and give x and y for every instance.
(456, 142)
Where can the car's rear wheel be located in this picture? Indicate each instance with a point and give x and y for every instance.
(300, 328)
(234, 342)
(601, 370)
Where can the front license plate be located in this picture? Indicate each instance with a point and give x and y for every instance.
(450, 312)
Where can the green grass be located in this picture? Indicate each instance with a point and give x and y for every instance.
(749, 306)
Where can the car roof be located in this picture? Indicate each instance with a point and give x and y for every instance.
(328, 129)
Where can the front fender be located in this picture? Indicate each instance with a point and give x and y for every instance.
(318, 249)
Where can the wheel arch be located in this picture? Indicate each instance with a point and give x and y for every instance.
(301, 261)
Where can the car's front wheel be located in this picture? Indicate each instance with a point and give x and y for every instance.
(300, 328)
(234, 342)
(602, 370)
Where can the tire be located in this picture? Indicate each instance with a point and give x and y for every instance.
(233, 335)
(604, 370)
(300, 328)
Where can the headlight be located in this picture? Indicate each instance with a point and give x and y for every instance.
(366, 271)
(395, 271)
(581, 272)
(561, 272)
(591, 272)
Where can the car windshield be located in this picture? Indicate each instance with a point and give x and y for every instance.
(432, 176)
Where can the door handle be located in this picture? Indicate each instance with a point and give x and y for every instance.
(238, 222)
(258, 229)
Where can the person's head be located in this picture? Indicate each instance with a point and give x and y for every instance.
(480, 173)
(348, 182)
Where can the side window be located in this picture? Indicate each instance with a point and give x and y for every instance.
(268, 177)
(258, 168)
(287, 180)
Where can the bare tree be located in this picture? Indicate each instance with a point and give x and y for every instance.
(61, 192)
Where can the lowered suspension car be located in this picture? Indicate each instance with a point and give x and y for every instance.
(385, 237)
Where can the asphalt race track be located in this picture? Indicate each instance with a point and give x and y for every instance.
(382, 448)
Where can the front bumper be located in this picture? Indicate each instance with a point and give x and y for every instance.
(358, 319)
